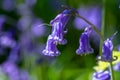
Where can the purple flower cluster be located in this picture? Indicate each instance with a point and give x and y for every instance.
(17, 36)
(58, 32)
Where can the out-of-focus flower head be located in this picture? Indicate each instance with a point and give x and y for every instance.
(58, 26)
(11, 70)
(116, 67)
(118, 47)
(85, 47)
(26, 43)
(51, 49)
(37, 29)
(24, 23)
(14, 54)
(24, 10)
(6, 40)
(24, 75)
(30, 2)
(2, 20)
(101, 75)
(8, 5)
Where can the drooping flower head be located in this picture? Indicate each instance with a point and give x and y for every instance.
(84, 47)
(51, 49)
(107, 49)
(101, 75)
(58, 26)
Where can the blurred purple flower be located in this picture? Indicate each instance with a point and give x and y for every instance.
(2, 20)
(24, 75)
(11, 70)
(24, 10)
(58, 25)
(6, 40)
(116, 67)
(85, 47)
(30, 2)
(24, 23)
(37, 29)
(118, 47)
(8, 5)
(26, 43)
(51, 49)
(14, 54)
(101, 75)
(92, 14)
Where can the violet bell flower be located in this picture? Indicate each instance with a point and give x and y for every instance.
(85, 47)
(58, 26)
(107, 51)
(51, 49)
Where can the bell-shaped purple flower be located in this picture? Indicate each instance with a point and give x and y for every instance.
(58, 26)
(101, 75)
(107, 50)
(85, 47)
(51, 49)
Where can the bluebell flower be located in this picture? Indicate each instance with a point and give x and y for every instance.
(58, 27)
(51, 49)
(107, 50)
(101, 75)
(85, 47)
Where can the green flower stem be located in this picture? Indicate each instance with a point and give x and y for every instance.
(111, 70)
(92, 25)
(102, 32)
